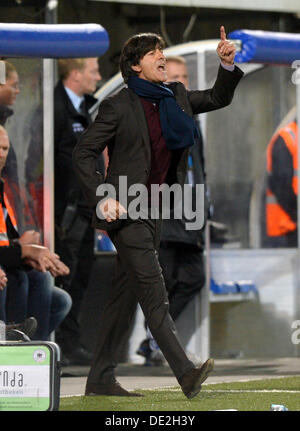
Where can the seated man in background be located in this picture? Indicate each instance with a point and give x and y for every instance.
(27, 328)
(29, 290)
(23, 203)
(8, 95)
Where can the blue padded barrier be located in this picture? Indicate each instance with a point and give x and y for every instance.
(266, 46)
(53, 40)
(245, 286)
(217, 288)
(232, 287)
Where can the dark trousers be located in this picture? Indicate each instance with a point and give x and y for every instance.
(31, 293)
(183, 271)
(138, 279)
(77, 252)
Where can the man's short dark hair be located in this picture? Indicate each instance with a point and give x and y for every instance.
(134, 50)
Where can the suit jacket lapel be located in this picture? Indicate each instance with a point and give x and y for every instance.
(141, 122)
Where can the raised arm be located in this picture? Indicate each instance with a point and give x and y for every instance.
(221, 94)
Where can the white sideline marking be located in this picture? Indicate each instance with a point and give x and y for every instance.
(287, 391)
(69, 396)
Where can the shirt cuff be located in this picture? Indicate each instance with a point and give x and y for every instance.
(227, 67)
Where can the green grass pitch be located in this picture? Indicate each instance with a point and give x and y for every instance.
(253, 395)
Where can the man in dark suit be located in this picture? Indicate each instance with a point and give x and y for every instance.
(74, 235)
(181, 250)
(147, 128)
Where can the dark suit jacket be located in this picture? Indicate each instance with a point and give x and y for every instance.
(121, 126)
(68, 127)
(173, 229)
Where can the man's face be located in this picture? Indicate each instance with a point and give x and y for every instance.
(89, 76)
(177, 72)
(152, 66)
(4, 147)
(10, 90)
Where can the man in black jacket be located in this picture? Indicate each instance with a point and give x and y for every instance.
(181, 250)
(148, 128)
(74, 236)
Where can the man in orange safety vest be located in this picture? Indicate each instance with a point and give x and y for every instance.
(282, 187)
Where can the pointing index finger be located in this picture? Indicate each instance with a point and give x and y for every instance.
(222, 33)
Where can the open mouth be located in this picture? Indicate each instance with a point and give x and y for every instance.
(162, 67)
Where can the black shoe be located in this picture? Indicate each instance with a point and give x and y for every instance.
(79, 356)
(111, 389)
(28, 327)
(16, 335)
(191, 381)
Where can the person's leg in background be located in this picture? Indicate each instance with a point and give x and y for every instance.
(39, 302)
(76, 251)
(17, 289)
(3, 305)
(13, 307)
(47, 303)
(184, 273)
(79, 286)
(190, 278)
(61, 304)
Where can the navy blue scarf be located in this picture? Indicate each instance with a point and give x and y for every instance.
(178, 128)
